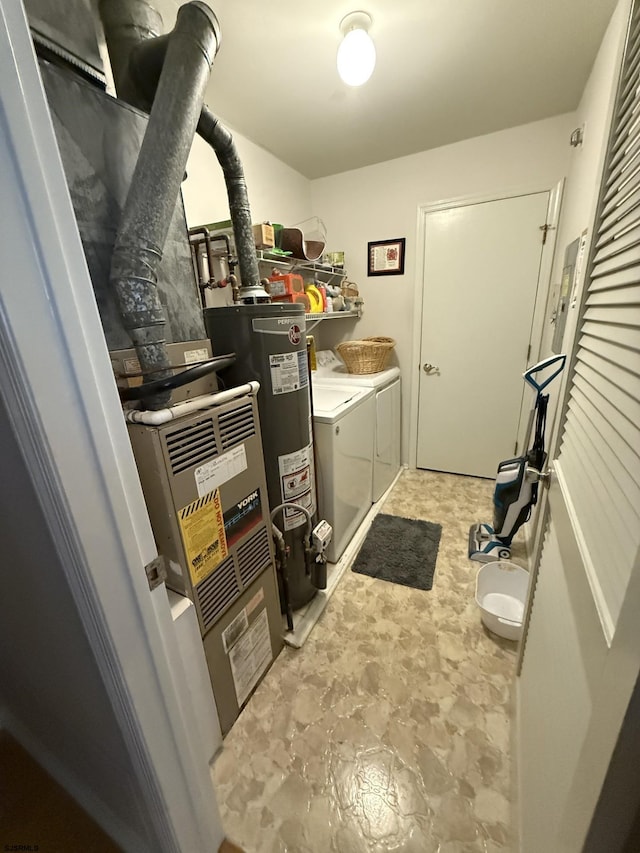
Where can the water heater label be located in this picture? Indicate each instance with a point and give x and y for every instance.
(296, 484)
(202, 528)
(286, 372)
(213, 474)
(280, 326)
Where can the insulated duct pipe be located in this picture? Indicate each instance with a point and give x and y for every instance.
(221, 140)
(139, 66)
(188, 54)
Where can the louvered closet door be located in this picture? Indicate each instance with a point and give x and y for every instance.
(581, 659)
(599, 460)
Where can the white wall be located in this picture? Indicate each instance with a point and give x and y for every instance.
(381, 202)
(277, 192)
(585, 165)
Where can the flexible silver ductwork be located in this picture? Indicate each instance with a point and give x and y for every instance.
(151, 200)
(167, 73)
(221, 140)
(137, 77)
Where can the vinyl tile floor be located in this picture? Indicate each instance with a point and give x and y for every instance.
(390, 729)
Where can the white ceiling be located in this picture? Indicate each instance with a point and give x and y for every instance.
(447, 70)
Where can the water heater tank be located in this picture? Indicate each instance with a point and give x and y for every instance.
(270, 345)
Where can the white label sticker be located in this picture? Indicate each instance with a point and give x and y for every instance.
(131, 365)
(191, 356)
(250, 657)
(285, 372)
(255, 601)
(213, 474)
(296, 485)
(235, 629)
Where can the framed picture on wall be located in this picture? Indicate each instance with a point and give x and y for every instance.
(386, 257)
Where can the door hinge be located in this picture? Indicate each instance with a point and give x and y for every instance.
(528, 353)
(545, 228)
(515, 449)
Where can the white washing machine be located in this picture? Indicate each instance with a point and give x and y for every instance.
(386, 385)
(343, 424)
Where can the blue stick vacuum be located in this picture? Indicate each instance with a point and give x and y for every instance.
(516, 491)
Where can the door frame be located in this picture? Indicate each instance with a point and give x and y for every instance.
(542, 293)
(57, 381)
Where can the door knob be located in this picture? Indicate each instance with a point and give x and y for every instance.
(535, 476)
(430, 369)
(545, 477)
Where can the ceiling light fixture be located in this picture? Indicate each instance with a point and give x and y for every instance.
(357, 52)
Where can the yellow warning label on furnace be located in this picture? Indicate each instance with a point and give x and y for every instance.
(202, 528)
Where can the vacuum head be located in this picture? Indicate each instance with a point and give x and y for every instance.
(484, 546)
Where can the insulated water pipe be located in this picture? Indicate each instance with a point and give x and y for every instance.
(163, 416)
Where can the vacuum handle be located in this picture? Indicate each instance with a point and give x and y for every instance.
(543, 365)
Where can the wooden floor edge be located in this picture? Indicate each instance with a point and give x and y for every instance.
(229, 847)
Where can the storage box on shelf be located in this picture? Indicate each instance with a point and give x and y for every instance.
(263, 236)
(263, 233)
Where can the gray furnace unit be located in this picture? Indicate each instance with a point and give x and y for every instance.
(204, 484)
(269, 341)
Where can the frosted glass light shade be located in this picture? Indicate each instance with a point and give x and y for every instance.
(356, 57)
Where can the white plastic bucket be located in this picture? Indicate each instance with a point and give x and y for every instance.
(501, 593)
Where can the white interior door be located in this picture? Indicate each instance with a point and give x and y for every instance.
(481, 272)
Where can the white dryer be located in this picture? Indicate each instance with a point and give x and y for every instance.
(386, 384)
(343, 425)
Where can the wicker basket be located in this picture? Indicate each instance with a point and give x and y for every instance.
(369, 355)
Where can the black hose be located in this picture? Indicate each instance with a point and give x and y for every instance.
(283, 572)
(148, 389)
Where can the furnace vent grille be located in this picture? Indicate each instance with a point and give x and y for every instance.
(254, 556)
(191, 445)
(236, 426)
(217, 592)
